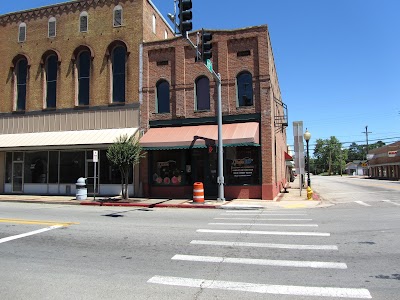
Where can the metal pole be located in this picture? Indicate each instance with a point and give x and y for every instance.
(221, 181)
(308, 166)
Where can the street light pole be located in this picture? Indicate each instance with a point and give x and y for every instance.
(307, 137)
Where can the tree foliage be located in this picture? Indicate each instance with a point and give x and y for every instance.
(124, 154)
(329, 156)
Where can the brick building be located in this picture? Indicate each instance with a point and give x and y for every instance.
(384, 162)
(69, 85)
(179, 117)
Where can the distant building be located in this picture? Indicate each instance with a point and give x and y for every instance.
(384, 162)
(357, 168)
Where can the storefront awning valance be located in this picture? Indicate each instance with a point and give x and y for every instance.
(236, 134)
(62, 139)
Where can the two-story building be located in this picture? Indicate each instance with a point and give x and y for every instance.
(178, 117)
(69, 82)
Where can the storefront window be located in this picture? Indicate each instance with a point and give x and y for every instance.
(35, 167)
(242, 165)
(169, 167)
(72, 166)
(110, 174)
(8, 167)
(53, 166)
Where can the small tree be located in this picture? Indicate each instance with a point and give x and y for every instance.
(125, 153)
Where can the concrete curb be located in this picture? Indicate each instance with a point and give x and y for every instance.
(156, 205)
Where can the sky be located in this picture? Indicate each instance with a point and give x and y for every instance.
(338, 61)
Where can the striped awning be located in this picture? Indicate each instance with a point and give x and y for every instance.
(184, 137)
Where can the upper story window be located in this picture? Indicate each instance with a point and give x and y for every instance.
(84, 61)
(21, 73)
(51, 81)
(244, 85)
(52, 27)
(154, 21)
(83, 22)
(202, 93)
(118, 18)
(162, 94)
(22, 33)
(165, 34)
(118, 73)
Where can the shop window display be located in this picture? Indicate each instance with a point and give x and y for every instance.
(242, 165)
(168, 168)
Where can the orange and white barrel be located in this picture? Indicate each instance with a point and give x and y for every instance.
(198, 192)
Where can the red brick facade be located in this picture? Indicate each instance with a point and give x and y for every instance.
(385, 162)
(234, 51)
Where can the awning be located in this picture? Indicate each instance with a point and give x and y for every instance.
(288, 157)
(237, 134)
(62, 139)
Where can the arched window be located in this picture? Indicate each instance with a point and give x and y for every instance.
(244, 85)
(83, 66)
(51, 81)
(21, 73)
(22, 33)
(162, 94)
(117, 16)
(52, 27)
(118, 73)
(202, 93)
(83, 22)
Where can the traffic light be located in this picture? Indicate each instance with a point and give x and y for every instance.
(206, 45)
(185, 16)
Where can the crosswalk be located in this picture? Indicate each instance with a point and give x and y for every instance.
(223, 234)
(384, 202)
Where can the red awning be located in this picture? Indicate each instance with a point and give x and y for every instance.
(237, 134)
(288, 157)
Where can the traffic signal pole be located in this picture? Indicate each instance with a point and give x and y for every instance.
(220, 179)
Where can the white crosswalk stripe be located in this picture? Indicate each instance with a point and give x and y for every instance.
(262, 262)
(266, 224)
(263, 288)
(362, 203)
(265, 245)
(391, 202)
(264, 232)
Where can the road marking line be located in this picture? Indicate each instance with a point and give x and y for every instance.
(264, 224)
(362, 203)
(36, 222)
(265, 245)
(262, 215)
(391, 202)
(262, 262)
(263, 288)
(258, 219)
(14, 237)
(264, 232)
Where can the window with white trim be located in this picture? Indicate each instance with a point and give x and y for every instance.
(51, 81)
(52, 27)
(118, 74)
(154, 21)
(21, 75)
(165, 34)
(83, 22)
(117, 16)
(22, 33)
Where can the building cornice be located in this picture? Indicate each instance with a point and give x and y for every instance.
(54, 10)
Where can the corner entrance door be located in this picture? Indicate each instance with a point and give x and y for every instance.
(90, 177)
(204, 166)
(18, 176)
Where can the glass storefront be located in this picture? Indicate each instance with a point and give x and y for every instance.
(58, 167)
(184, 167)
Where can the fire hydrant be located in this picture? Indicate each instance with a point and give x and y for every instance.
(309, 193)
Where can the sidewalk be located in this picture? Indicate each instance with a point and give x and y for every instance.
(290, 200)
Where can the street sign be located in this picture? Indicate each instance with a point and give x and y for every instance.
(95, 156)
(209, 65)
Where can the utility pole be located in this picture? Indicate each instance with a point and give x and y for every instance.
(185, 25)
(366, 150)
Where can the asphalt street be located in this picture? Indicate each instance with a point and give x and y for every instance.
(345, 251)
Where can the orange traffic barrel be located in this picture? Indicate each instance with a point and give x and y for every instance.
(198, 192)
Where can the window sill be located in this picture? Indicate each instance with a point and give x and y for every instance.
(49, 109)
(116, 104)
(81, 107)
